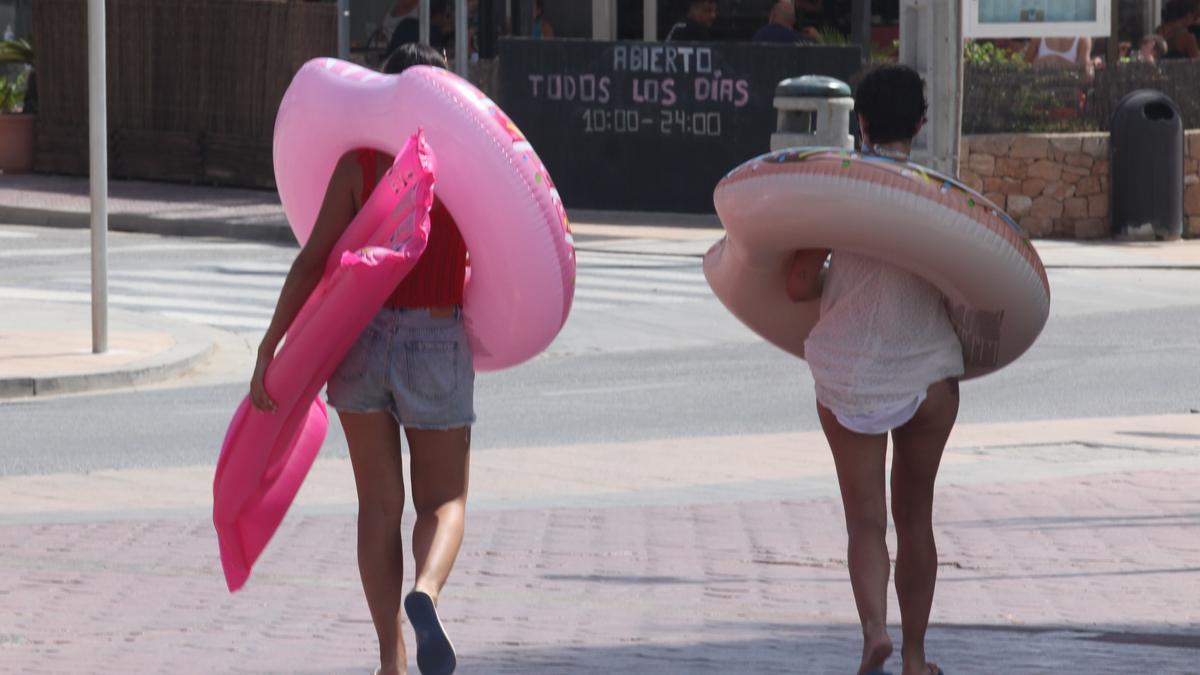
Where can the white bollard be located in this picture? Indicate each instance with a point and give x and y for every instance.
(814, 110)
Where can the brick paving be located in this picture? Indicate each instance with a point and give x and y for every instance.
(1095, 573)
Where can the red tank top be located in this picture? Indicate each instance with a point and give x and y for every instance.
(438, 278)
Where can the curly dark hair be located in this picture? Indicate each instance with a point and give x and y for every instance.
(891, 99)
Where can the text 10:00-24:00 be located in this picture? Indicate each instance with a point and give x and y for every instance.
(623, 121)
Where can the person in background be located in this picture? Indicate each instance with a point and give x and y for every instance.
(542, 30)
(403, 12)
(1062, 53)
(781, 26)
(697, 25)
(441, 29)
(1151, 49)
(1178, 16)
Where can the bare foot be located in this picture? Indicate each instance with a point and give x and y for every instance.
(391, 670)
(876, 650)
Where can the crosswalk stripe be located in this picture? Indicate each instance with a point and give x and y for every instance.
(134, 301)
(137, 248)
(224, 321)
(261, 281)
(633, 298)
(235, 294)
(655, 287)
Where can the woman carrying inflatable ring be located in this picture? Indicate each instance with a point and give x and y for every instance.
(411, 368)
(885, 358)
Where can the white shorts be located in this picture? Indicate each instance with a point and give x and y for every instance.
(883, 420)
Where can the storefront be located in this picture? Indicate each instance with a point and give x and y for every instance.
(650, 126)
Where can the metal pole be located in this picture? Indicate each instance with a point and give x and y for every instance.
(525, 18)
(98, 138)
(860, 27)
(343, 12)
(462, 55)
(650, 20)
(424, 22)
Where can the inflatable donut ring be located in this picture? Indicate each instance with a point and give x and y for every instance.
(997, 293)
(521, 278)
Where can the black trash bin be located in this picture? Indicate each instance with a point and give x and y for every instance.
(1146, 165)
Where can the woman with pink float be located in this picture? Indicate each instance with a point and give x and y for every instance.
(410, 368)
(413, 367)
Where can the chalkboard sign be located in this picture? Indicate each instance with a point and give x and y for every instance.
(644, 126)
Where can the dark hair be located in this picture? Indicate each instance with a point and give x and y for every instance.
(891, 99)
(696, 3)
(413, 54)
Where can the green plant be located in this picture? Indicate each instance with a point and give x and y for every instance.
(12, 93)
(833, 37)
(17, 92)
(18, 51)
(987, 53)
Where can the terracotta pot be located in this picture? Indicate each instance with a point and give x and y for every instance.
(16, 143)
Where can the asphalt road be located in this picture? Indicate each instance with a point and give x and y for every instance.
(647, 356)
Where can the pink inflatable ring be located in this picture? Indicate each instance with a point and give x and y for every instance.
(521, 278)
(931, 225)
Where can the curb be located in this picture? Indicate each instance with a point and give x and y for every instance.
(276, 231)
(193, 346)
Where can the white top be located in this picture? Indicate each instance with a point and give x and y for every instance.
(883, 337)
(1045, 49)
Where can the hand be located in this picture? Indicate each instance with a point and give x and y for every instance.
(258, 390)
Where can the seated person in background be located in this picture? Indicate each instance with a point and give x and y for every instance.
(781, 26)
(697, 25)
(1151, 49)
(441, 29)
(1062, 53)
(542, 30)
(1178, 16)
(403, 13)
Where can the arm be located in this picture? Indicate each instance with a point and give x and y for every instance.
(804, 275)
(1031, 50)
(1083, 57)
(337, 210)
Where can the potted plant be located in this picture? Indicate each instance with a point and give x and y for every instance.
(16, 106)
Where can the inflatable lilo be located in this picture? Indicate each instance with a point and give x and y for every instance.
(930, 225)
(266, 456)
(522, 262)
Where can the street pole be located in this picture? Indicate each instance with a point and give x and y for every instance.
(343, 12)
(98, 161)
(462, 50)
(423, 22)
(860, 27)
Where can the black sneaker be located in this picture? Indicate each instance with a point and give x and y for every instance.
(435, 654)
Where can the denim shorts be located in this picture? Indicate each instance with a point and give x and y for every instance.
(418, 367)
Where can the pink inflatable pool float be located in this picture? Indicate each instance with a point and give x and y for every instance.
(266, 456)
(997, 293)
(522, 274)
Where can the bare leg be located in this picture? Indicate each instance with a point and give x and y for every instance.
(918, 452)
(439, 484)
(374, 440)
(861, 469)
(439, 468)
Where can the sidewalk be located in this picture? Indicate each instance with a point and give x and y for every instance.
(1066, 546)
(46, 348)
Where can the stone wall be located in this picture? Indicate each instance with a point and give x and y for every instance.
(1056, 185)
